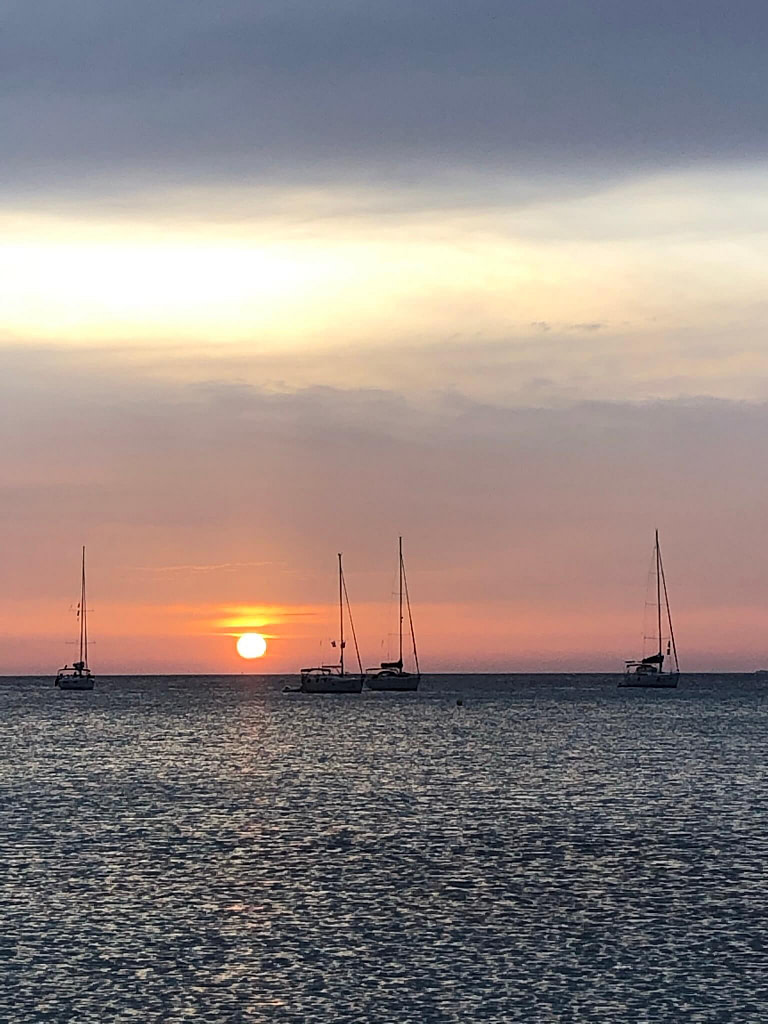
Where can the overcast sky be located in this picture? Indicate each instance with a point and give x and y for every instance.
(285, 278)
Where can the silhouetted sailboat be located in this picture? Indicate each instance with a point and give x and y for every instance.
(391, 675)
(78, 676)
(335, 678)
(649, 671)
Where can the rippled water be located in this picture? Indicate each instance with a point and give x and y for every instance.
(555, 849)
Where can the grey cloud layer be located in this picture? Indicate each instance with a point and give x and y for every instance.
(308, 91)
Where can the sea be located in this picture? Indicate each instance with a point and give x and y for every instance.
(492, 848)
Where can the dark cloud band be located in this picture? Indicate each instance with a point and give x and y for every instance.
(134, 91)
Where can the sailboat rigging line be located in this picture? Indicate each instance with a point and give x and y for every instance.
(410, 617)
(669, 614)
(389, 636)
(351, 623)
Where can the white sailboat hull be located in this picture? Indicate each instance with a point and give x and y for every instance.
(390, 675)
(333, 678)
(77, 676)
(648, 673)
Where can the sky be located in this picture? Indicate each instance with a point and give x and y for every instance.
(283, 278)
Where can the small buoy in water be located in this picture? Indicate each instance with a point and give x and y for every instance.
(459, 703)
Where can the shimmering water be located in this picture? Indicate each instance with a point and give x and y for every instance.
(554, 850)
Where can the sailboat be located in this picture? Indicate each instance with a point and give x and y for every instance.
(335, 678)
(78, 676)
(650, 671)
(390, 675)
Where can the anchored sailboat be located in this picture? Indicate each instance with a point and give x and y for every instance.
(390, 675)
(78, 676)
(335, 678)
(649, 671)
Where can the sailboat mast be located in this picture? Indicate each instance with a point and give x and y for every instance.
(400, 622)
(83, 619)
(341, 616)
(658, 592)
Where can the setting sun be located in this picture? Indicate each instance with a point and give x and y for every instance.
(251, 645)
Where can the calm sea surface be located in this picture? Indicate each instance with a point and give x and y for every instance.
(188, 848)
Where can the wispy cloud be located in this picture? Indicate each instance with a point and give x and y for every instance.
(199, 569)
